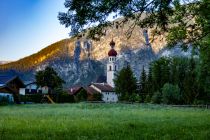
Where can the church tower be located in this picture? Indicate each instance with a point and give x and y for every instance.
(111, 65)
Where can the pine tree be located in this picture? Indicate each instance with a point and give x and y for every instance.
(125, 83)
(143, 79)
(149, 82)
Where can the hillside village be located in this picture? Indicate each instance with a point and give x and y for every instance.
(14, 89)
(15, 86)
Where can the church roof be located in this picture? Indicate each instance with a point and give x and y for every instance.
(112, 52)
(112, 43)
(104, 87)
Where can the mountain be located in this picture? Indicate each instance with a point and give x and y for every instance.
(4, 62)
(90, 65)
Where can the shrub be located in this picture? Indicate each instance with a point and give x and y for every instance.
(97, 97)
(65, 98)
(156, 98)
(138, 98)
(147, 99)
(171, 94)
(4, 100)
(132, 97)
(82, 95)
(35, 98)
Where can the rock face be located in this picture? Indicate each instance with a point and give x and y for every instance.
(135, 51)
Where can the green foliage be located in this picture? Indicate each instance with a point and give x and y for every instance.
(171, 94)
(204, 70)
(143, 80)
(34, 98)
(82, 96)
(149, 83)
(147, 99)
(125, 83)
(186, 23)
(160, 72)
(132, 98)
(156, 98)
(49, 78)
(183, 72)
(138, 98)
(4, 100)
(97, 97)
(65, 98)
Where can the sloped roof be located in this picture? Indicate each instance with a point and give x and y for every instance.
(104, 87)
(74, 90)
(4, 79)
(91, 90)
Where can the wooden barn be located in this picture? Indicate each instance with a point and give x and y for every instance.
(11, 85)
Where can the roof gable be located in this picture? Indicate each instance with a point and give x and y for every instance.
(91, 90)
(5, 79)
(104, 87)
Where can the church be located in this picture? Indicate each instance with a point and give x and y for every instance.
(107, 89)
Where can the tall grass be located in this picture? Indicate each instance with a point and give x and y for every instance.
(102, 122)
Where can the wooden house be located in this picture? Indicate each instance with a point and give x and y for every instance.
(11, 85)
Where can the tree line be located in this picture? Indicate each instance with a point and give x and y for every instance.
(177, 80)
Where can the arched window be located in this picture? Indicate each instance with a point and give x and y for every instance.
(110, 68)
(115, 67)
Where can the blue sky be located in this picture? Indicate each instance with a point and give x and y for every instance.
(27, 26)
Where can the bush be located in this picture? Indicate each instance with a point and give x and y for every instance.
(132, 97)
(124, 97)
(35, 98)
(156, 98)
(171, 94)
(4, 100)
(65, 98)
(82, 95)
(97, 97)
(147, 99)
(138, 98)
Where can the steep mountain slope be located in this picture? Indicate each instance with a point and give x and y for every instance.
(60, 56)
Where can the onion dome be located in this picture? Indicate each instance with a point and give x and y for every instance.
(112, 52)
(112, 43)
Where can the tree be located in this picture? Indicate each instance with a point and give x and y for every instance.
(143, 80)
(171, 94)
(190, 20)
(49, 78)
(156, 98)
(149, 82)
(125, 82)
(82, 95)
(190, 82)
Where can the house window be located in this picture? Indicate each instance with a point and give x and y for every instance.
(110, 68)
(115, 67)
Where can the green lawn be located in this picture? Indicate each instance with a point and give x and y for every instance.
(103, 121)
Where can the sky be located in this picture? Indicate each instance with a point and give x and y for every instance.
(27, 26)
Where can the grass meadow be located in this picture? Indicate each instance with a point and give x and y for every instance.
(86, 121)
